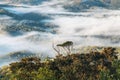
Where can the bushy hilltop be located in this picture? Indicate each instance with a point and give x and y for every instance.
(95, 65)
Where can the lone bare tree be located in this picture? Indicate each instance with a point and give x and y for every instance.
(66, 46)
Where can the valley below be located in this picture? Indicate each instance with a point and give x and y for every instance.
(30, 30)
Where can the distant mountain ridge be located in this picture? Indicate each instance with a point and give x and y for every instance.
(17, 55)
(32, 2)
(85, 4)
(82, 3)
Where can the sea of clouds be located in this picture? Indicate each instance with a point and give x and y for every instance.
(95, 27)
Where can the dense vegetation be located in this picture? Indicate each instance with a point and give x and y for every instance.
(95, 65)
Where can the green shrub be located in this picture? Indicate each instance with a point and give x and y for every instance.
(95, 65)
(45, 74)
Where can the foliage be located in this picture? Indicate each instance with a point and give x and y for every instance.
(45, 74)
(95, 65)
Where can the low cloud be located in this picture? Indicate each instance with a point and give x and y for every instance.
(89, 23)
